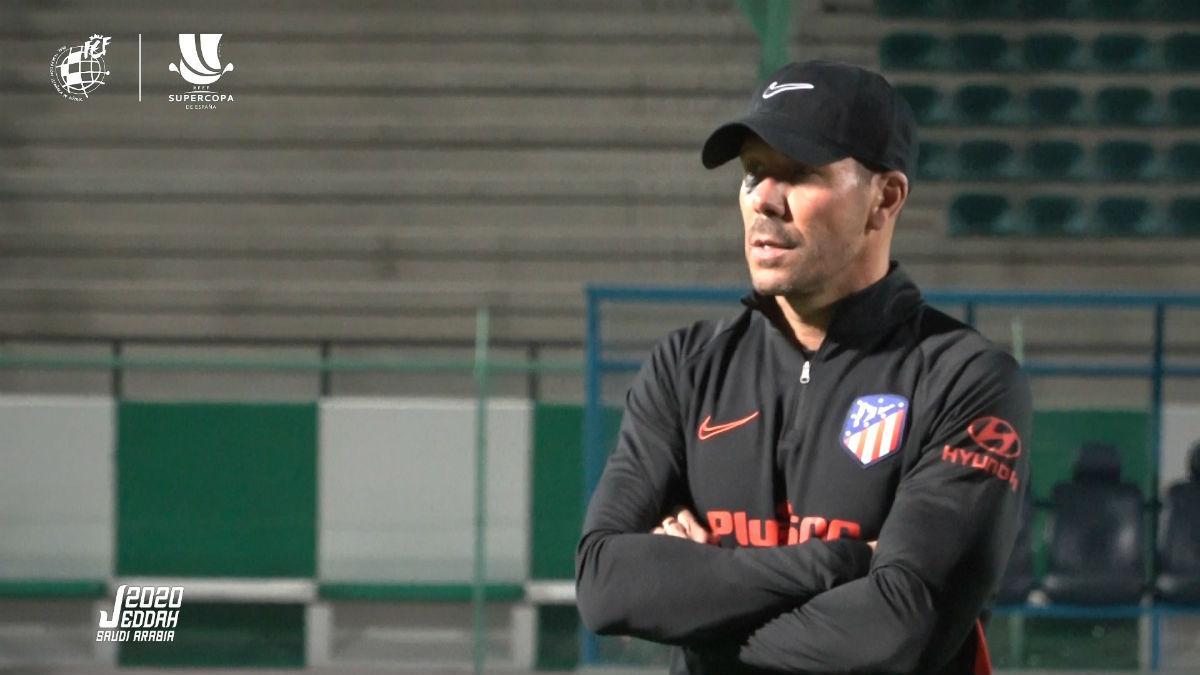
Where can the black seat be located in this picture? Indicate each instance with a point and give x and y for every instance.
(1097, 544)
(1179, 554)
(1018, 578)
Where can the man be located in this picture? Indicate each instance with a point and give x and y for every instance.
(829, 481)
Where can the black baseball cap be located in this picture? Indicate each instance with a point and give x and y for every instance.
(821, 111)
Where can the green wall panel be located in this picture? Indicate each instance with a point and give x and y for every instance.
(558, 486)
(226, 635)
(216, 489)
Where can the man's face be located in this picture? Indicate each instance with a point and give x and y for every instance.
(805, 226)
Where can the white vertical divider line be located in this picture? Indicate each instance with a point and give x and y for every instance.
(139, 67)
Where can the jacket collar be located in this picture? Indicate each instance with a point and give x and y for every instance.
(875, 309)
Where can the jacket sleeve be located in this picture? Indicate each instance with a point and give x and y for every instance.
(941, 550)
(667, 589)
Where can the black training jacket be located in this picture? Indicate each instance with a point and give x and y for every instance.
(905, 427)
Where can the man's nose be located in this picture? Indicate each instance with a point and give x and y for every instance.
(767, 197)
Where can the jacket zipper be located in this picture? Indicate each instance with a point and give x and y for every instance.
(805, 374)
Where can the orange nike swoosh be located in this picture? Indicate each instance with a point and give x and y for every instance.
(706, 432)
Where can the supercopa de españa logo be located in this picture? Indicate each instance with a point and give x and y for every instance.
(77, 71)
(200, 66)
(142, 614)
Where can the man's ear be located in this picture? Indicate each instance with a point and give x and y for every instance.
(889, 192)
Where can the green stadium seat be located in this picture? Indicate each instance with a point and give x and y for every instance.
(1053, 216)
(1120, 9)
(986, 160)
(1123, 52)
(980, 51)
(980, 214)
(1125, 106)
(927, 103)
(1181, 52)
(934, 161)
(1049, 106)
(912, 51)
(1184, 216)
(982, 9)
(1126, 160)
(1184, 106)
(1052, 51)
(1124, 217)
(983, 104)
(1179, 9)
(1055, 160)
(1051, 9)
(1183, 161)
(900, 9)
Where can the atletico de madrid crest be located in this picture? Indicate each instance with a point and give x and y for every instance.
(874, 427)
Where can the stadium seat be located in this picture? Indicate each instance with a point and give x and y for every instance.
(1123, 52)
(909, 8)
(983, 104)
(1179, 9)
(1052, 51)
(912, 51)
(1055, 160)
(1126, 160)
(1120, 9)
(1183, 160)
(1053, 216)
(1018, 579)
(1184, 214)
(1096, 541)
(1184, 106)
(982, 9)
(1049, 106)
(1124, 217)
(1051, 9)
(1179, 553)
(980, 51)
(927, 103)
(1181, 52)
(934, 161)
(986, 160)
(1125, 106)
(980, 214)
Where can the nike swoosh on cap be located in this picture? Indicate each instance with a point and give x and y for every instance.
(776, 88)
(706, 432)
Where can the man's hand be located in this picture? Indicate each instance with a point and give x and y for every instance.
(685, 526)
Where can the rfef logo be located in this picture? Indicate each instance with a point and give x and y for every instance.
(148, 610)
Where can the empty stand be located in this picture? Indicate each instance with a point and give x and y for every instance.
(1096, 545)
(1054, 216)
(1055, 106)
(1052, 51)
(1184, 216)
(1055, 160)
(1126, 160)
(1181, 52)
(981, 52)
(1124, 217)
(1183, 104)
(983, 104)
(986, 160)
(913, 51)
(1123, 52)
(980, 215)
(1126, 106)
